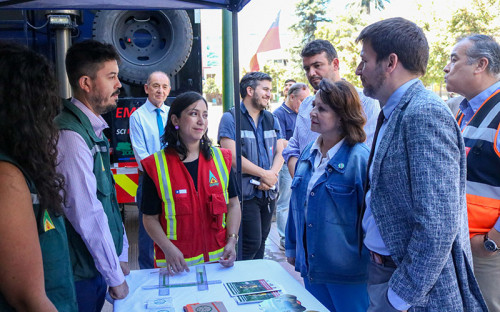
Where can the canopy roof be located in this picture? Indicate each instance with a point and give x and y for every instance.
(231, 5)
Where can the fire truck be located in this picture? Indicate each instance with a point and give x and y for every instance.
(146, 40)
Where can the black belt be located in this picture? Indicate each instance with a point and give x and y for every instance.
(382, 260)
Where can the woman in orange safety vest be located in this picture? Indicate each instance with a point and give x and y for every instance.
(190, 204)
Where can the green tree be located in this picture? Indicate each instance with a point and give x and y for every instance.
(211, 90)
(310, 13)
(342, 34)
(479, 16)
(277, 72)
(365, 5)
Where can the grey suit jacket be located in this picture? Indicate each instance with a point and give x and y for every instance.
(418, 203)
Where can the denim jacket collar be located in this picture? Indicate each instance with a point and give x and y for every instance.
(338, 162)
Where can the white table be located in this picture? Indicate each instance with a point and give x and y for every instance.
(241, 271)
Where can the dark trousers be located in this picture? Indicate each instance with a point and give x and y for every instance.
(378, 284)
(256, 223)
(90, 294)
(146, 245)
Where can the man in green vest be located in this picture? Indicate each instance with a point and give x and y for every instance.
(97, 240)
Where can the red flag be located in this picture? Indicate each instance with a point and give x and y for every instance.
(254, 63)
(271, 41)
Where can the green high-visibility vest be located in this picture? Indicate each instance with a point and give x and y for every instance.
(72, 118)
(59, 284)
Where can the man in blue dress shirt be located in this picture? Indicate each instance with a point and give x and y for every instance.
(320, 60)
(473, 71)
(287, 114)
(146, 127)
(415, 218)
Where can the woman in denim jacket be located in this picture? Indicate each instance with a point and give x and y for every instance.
(327, 193)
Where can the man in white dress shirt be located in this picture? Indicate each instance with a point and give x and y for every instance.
(146, 128)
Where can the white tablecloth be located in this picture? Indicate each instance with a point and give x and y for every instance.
(241, 271)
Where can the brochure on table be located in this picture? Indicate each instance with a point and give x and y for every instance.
(241, 271)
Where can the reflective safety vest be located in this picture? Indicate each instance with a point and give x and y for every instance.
(483, 165)
(250, 150)
(195, 221)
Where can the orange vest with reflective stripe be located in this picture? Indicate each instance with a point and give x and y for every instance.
(483, 165)
(195, 221)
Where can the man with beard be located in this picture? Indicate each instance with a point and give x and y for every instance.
(97, 239)
(147, 124)
(261, 160)
(320, 60)
(415, 215)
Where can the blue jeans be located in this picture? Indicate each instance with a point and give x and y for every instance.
(340, 297)
(283, 201)
(146, 245)
(90, 294)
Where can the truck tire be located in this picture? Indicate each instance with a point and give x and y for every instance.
(146, 41)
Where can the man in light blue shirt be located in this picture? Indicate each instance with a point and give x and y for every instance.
(146, 127)
(473, 71)
(320, 60)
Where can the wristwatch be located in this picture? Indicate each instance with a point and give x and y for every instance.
(490, 244)
(233, 235)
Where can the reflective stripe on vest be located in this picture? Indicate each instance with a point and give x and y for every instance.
(223, 172)
(164, 181)
(215, 255)
(98, 149)
(34, 199)
(483, 181)
(483, 190)
(161, 263)
(169, 202)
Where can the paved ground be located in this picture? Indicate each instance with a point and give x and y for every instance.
(272, 247)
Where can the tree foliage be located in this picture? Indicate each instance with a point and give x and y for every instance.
(476, 18)
(365, 5)
(441, 29)
(479, 16)
(310, 13)
(342, 34)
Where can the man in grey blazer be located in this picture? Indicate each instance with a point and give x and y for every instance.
(415, 217)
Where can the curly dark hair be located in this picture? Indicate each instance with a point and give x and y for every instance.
(171, 135)
(343, 98)
(29, 102)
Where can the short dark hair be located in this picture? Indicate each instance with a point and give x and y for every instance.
(252, 80)
(402, 37)
(343, 98)
(318, 46)
(85, 59)
(29, 102)
(290, 80)
(171, 135)
(484, 46)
